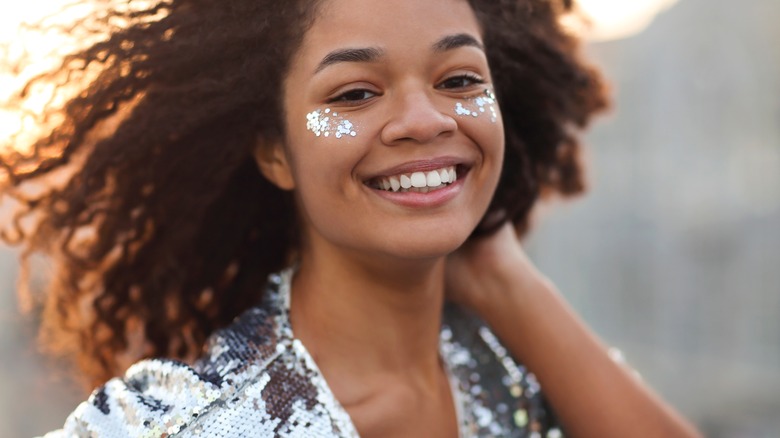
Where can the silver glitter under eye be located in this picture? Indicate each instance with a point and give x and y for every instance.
(324, 123)
(476, 106)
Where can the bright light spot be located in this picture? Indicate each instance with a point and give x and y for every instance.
(26, 11)
(26, 53)
(616, 19)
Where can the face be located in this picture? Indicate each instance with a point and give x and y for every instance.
(394, 140)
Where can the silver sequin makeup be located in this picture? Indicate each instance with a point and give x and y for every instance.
(479, 105)
(324, 123)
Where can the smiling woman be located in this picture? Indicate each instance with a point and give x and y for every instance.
(370, 159)
(400, 90)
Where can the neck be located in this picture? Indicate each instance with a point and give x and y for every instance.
(362, 318)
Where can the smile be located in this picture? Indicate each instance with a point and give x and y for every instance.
(419, 182)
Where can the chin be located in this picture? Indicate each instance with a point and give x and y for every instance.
(427, 244)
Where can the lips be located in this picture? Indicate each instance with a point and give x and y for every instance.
(419, 176)
(421, 182)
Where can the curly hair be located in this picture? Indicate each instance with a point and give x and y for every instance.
(165, 230)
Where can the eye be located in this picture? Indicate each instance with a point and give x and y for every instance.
(353, 96)
(461, 81)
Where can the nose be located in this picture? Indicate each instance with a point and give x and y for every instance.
(415, 117)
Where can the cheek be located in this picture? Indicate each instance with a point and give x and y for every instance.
(325, 147)
(322, 169)
(323, 141)
(480, 119)
(483, 106)
(329, 124)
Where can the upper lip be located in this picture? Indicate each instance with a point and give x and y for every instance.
(419, 166)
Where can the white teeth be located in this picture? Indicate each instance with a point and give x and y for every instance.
(395, 185)
(419, 180)
(433, 179)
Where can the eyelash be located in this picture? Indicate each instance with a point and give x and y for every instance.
(475, 80)
(344, 97)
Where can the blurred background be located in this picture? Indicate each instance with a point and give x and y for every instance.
(674, 254)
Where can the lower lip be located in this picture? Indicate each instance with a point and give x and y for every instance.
(432, 199)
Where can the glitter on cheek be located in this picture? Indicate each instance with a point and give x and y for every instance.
(324, 123)
(479, 105)
(460, 110)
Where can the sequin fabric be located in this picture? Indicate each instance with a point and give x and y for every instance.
(257, 380)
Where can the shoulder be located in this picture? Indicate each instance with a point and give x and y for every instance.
(156, 397)
(159, 397)
(253, 380)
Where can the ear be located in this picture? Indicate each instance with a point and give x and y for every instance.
(274, 165)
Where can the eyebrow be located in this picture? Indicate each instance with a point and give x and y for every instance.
(451, 42)
(368, 54)
(372, 54)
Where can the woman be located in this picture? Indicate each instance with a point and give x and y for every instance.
(357, 146)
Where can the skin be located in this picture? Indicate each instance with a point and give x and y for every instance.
(368, 294)
(379, 351)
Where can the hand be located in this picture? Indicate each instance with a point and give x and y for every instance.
(494, 277)
(482, 274)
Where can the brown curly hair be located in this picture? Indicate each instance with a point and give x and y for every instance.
(165, 230)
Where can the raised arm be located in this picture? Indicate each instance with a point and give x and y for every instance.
(593, 395)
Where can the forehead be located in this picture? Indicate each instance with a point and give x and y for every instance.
(390, 24)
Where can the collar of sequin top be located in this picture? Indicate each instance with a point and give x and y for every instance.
(480, 105)
(326, 123)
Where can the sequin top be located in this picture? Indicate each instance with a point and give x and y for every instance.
(257, 380)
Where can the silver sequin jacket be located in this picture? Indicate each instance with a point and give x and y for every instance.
(257, 380)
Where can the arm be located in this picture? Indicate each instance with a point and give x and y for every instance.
(592, 395)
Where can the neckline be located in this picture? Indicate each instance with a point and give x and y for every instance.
(338, 410)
